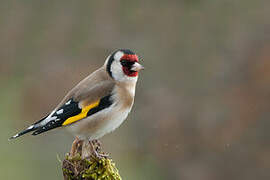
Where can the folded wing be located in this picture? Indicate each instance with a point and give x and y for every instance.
(71, 112)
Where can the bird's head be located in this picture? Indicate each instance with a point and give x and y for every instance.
(123, 65)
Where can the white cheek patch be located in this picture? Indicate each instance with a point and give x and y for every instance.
(116, 69)
(118, 55)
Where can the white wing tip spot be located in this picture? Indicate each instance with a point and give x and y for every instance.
(67, 103)
(13, 137)
(30, 127)
(60, 111)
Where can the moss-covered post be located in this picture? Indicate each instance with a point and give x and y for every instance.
(80, 164)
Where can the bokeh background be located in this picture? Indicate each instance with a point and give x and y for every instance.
(202, 103)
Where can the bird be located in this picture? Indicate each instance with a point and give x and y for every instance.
(98, 104)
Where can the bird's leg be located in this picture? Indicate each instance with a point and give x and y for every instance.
(76, 147)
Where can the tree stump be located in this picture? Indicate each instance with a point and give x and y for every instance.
(81, 164)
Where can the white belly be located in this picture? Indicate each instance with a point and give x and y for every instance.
(100, 123)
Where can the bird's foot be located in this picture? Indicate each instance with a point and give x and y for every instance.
(96, 149)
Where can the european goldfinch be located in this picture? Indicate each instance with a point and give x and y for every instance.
(99, 103)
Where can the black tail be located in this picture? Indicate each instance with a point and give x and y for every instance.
(29, 129)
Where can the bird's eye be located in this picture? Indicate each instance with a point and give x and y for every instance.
(126, 63)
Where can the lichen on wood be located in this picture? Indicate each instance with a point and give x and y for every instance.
(80, 164)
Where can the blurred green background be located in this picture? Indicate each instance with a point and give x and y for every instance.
(202, 104)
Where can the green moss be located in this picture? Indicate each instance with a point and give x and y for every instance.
(76, 168)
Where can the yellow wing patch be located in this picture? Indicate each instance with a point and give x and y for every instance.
(82, 115)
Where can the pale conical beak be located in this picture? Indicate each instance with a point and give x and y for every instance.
(137, 67)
